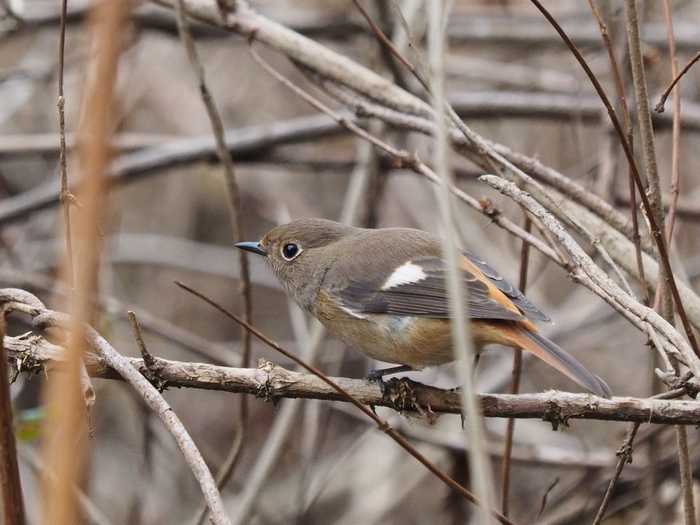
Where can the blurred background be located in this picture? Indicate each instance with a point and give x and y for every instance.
(509, 76)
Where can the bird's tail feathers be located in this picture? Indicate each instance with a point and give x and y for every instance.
(559, 359)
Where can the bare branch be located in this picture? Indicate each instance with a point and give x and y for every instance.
(32, 353)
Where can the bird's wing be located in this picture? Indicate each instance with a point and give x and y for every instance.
(515, 295)
(418, 288)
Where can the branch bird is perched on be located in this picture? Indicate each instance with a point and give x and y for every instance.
(383, 292)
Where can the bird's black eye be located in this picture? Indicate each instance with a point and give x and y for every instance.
(290, 251)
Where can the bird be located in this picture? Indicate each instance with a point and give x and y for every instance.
(383, 292)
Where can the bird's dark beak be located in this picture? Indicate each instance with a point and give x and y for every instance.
(253, 247)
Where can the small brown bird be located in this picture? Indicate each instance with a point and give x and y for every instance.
(383, 292)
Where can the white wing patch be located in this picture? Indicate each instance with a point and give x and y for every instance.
(405, 274)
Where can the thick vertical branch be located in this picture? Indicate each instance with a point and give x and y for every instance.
(480, 468)
(662, 300)
(643, 111)
(64, 450)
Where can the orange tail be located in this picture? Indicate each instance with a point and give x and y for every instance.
(559, 359)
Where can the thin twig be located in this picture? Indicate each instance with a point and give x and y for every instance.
(148, 359)
(269, 456)
(636, 238)
(676, 128)
(624, 455)
(154, 400)
(681, 434)
(67, 198)
(662, 101)
(236, 217)
(515, 379)
(383, 40)
(415, 16)
(613, 64)
(437, 107)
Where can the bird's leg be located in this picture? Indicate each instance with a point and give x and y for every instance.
(378, 375)
(375, 375)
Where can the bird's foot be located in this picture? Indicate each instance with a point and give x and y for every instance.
(378, 376)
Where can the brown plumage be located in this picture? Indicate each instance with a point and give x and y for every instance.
(383, 292)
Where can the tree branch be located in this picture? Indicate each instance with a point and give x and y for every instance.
(31, 353)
